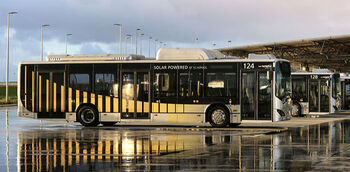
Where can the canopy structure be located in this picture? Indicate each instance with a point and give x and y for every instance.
(331, 52)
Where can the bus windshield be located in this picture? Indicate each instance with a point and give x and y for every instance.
(283, 79)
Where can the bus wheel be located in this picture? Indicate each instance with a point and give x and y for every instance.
(219, 117)
(296, 110)
(88, 116)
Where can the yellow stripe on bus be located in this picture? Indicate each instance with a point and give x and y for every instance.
(155, 107)
(139, 106)
(145, 107)
(39, 93)
(108, 104)
(115, 104)
(171, 108)
(25, 88)
(77, 99)
(54, 97)
(92, 101)
(100, 107)
(163, 107)
(33, 89)
(131, 105)
(62, 98)
(179, 108)
(69, 99)
(84, 97)
(47, 95)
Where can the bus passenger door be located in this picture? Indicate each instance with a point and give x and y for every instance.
(314, 96)
(324, 96)
(256, 96)
(135, 95)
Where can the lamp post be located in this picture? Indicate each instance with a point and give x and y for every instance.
(8, 54)
(141, 42)
(149, 46)
(155, 47)
(136, 39)
(126, 45)
(130, 36)
(228, 43)
(68, 34)
(42, 41)
(213, 45)
(120, 37)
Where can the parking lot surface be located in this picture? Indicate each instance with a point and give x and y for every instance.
(301, 144)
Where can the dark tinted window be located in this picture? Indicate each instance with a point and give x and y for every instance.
(165, 84)
(221, 84)
(191, 84)
(80, 81)
(105, 84)
(299, 88)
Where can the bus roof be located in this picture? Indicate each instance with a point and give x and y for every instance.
(156, 61)
(165, 55)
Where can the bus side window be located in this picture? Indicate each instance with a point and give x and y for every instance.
(105, 84)
(165, 84)
(191, 84)
(79, 81)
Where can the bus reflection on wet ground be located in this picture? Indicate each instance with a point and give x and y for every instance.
(59, 148)
(94, 149)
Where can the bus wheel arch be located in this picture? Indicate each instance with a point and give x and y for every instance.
(215, 109)
(87, 114)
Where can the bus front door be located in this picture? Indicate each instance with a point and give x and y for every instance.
(135, 95)
(51, 97)
(256, 96)
(319, 96)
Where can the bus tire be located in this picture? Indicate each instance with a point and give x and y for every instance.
(219, 116)
(88, 116)
(296, 110)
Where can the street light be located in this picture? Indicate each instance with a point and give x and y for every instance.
(228, 43)
(130, 36)
(155, 47)
(120, 37)
(126, 45)
(42, 40)
(141, 42)
(136, 39)
(213, 45)
(8, 54)
(68, 34)
(149, 46)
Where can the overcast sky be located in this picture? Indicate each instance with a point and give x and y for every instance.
(174, 22)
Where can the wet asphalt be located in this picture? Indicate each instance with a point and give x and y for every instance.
(31, 145)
